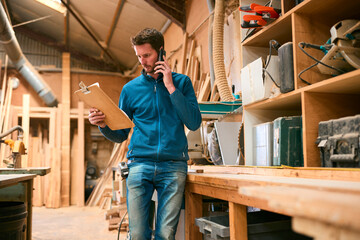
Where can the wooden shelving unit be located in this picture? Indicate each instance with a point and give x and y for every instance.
(327, 97)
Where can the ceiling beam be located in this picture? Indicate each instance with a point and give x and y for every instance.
(67, 28)
(75, 15)
(174, 10)
(113, 24)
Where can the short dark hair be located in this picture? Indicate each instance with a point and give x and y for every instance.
(149, 35)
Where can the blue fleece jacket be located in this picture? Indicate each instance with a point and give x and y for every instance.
(159, 118)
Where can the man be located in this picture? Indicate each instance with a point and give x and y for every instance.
(160, 103)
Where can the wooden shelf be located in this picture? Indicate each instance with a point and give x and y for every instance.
(347, 83)
(287, 101)
(327, 97)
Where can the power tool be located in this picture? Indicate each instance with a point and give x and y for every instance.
(342, 50)
(124, 169)
(17, 147)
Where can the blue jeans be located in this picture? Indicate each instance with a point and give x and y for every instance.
(168, 178)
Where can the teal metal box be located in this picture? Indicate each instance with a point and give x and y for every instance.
(287, 143)
(219, 107)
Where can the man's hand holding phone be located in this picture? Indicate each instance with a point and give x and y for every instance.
(163, 67)
(96, 117)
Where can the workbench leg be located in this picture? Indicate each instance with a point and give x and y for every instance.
(193, 209)
(28, 203)
(237, 221)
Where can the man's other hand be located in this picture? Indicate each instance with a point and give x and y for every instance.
(96, 117)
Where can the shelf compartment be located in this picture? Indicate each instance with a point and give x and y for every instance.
(254, 117)
(279, 30)
(312, 22)
(320, 106)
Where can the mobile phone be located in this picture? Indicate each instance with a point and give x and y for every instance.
(162, 53)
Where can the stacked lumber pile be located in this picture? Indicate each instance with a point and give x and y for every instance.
(102, 193)
(190, 64)
(116, 216)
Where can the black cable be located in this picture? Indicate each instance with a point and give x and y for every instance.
(272, 79)
(302, 45)
(306, 69)
(272, 44)
(122, 219)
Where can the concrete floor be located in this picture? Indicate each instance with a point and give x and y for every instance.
(71, 223)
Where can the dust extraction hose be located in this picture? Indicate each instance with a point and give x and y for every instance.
(12, 48)
(218, 53)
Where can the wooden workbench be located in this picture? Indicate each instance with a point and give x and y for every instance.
(19, 188)
(330, 207)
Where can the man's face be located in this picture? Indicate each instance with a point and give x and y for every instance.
(147, 56)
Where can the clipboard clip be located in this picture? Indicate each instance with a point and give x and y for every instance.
(83, 87)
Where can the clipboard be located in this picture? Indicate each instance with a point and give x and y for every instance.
(94, 96)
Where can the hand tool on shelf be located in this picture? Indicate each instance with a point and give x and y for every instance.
(263, 15)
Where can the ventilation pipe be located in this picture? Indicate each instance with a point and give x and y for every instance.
(218, 53)
(13, 50)
(210, 4)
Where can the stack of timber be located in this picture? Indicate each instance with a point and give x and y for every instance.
(44, 146)
(102, 193)
(118, 215)
(191, 65)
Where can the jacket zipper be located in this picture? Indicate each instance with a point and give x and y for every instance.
(159, 125)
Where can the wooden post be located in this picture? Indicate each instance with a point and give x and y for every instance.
(80, 161)
(238, 221)
(193, 209)
(65, 132)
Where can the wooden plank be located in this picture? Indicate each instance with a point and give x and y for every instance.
(294, 172)
(328, 206)
(26, 126)
(73, 175)
(54, 198)
(322, 231)
(205, 90)
(190, 57)
(183, 54)
(235, 180)
(80, 161)
(65, 131)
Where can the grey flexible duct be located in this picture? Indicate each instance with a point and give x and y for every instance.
(12, 48)
(218, 53)
(210, 4)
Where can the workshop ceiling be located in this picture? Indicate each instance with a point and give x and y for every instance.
(111, 22)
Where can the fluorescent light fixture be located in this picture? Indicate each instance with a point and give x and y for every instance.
(53, 4)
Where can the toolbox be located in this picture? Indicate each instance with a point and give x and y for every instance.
(262, 225)
(287, 144)
(263, 144)
(338, 140)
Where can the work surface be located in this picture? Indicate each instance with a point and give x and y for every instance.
(333, 203)
(10, 179)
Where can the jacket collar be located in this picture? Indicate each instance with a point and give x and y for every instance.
(148, 77)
